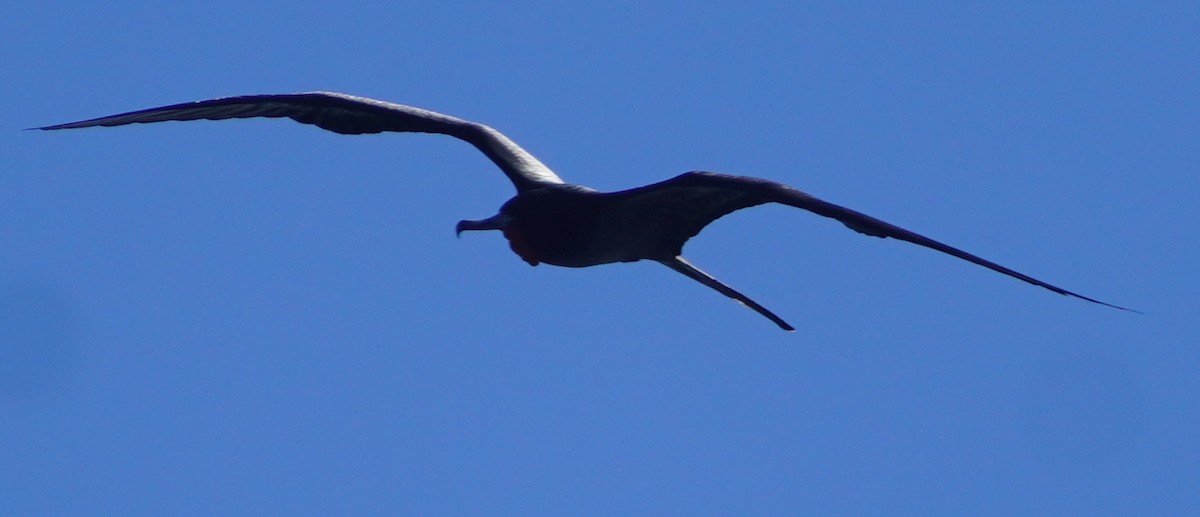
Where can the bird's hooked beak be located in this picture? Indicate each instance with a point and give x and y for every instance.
(495, 222)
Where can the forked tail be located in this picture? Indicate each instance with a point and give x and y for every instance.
(682, 266)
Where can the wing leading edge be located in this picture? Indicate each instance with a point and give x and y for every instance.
(348, 115)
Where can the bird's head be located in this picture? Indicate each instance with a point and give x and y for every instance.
(503, 222)
(499, 221)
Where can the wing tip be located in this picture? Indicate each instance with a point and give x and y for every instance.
(67, 125)
(1106, 304)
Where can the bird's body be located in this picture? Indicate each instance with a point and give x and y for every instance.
(550, 221)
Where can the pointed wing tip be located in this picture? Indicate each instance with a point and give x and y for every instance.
(1126, 309)
(1118, 307)
(1106, 304)
(68, 125)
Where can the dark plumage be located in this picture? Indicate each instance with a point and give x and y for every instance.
(551, 221)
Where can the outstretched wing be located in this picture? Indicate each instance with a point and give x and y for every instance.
(684, 205)
(348, 115)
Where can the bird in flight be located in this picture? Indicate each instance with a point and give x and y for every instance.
(554, 222)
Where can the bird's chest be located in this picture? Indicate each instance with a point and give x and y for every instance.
(565, 238)
(578, 234)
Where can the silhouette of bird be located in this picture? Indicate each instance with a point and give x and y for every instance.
(553, 222)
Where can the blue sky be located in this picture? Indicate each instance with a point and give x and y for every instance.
(258, 317)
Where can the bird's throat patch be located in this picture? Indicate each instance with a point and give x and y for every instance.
(520, 246)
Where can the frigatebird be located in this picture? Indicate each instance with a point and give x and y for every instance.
(551, 221)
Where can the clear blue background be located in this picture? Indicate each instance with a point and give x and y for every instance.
(259, 317)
